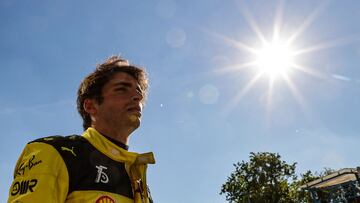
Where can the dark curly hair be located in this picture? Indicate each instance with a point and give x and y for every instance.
(91, 87)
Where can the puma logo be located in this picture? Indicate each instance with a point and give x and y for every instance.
(69, 150)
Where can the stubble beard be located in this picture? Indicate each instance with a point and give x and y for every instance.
(130, 123)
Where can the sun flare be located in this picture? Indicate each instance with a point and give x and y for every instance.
(275, 56)
(274, 59)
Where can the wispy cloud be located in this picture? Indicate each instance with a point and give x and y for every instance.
(19, 109)
(341, 77)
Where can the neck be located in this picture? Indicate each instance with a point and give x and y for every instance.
(116, 134)
(119, 144)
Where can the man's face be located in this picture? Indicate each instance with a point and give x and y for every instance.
(121, 106)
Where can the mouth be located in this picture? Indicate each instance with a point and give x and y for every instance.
(134, 110)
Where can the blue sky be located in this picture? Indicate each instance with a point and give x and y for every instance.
(201, 117)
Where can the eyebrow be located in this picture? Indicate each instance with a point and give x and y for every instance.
(127, 84)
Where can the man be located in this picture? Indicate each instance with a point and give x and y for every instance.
(96, 166)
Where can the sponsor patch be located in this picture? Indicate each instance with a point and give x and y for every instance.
(105, 199)
(22, 187)
(101, 176)
(27, 165)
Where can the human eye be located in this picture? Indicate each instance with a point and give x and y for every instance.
(120, 89)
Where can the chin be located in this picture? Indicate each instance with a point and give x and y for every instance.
(134, 121)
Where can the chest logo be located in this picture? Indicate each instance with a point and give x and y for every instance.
(69, 150)
(105, 199)
(101, 175)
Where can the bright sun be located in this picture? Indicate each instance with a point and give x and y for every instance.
(274, 58)
(277, 57)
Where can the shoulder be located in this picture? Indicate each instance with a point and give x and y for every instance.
(68, 147)
(58, 139)
(45, 154)
(39, 171)
(48, 147)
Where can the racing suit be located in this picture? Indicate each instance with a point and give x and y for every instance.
(74, 169)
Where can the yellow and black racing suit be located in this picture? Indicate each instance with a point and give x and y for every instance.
(74, 169)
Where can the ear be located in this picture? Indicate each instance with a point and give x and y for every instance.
(90, 106)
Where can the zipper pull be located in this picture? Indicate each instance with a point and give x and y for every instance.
(140, 189)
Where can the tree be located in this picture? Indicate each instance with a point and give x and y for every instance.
(265, 178)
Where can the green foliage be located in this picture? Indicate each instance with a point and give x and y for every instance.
(266, 178)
